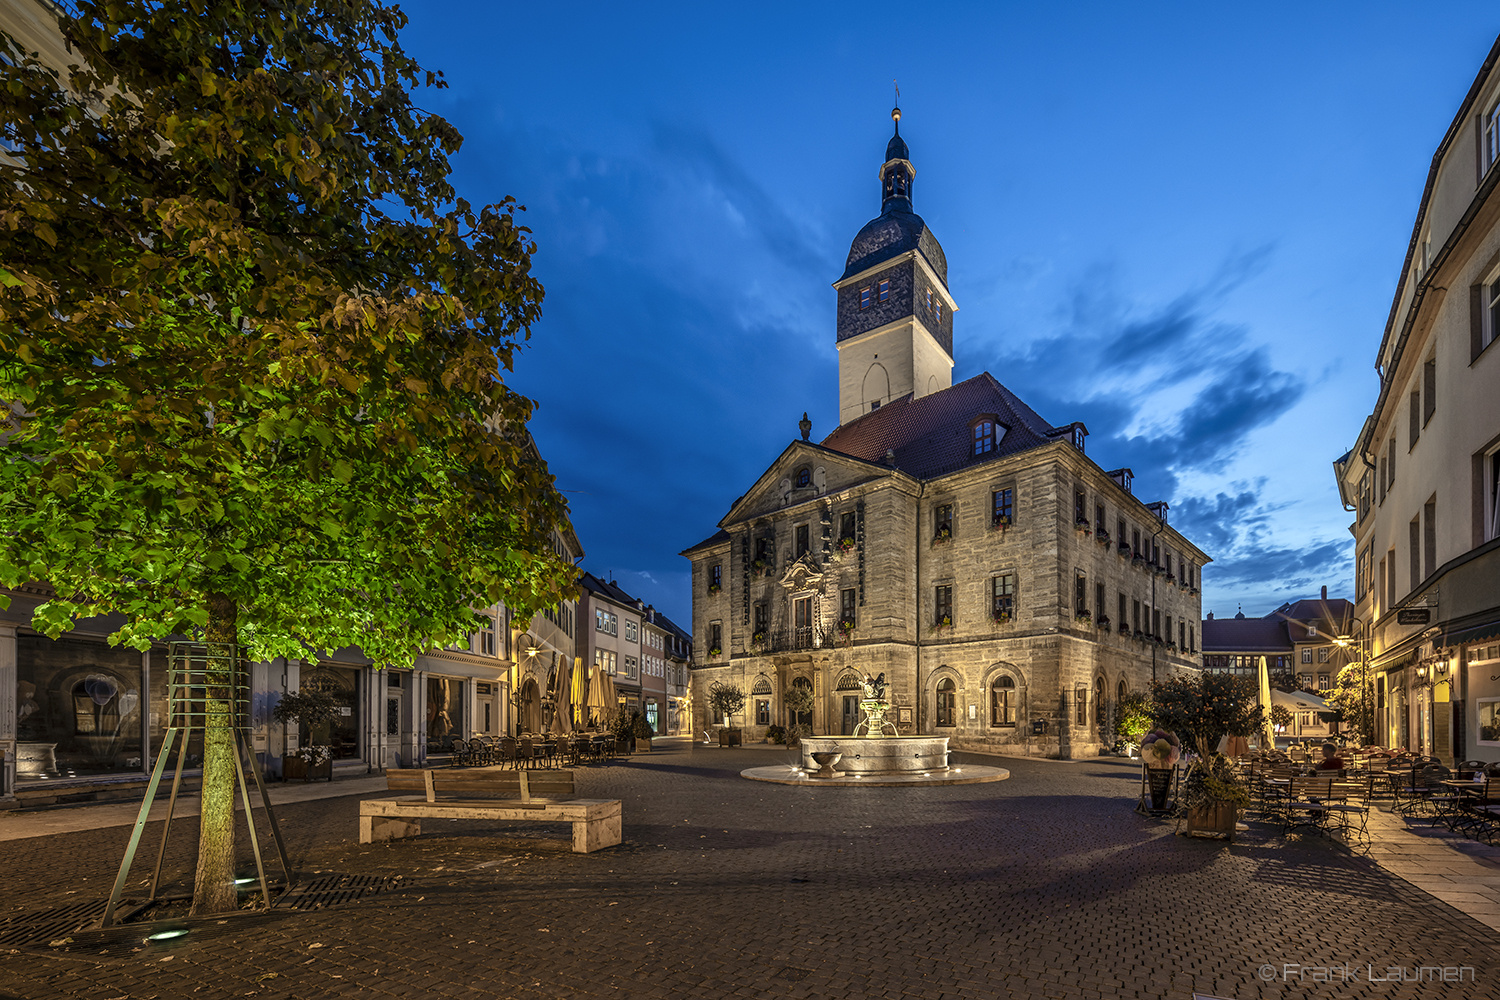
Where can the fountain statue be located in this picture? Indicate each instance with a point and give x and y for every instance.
(875, 707)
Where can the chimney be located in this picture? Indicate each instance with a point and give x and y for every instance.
(1325, 591)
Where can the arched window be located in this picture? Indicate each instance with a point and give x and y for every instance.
(850, 680)
(1003, 702)
(984, 437)
(762, 685)
(804, 476)
(1123, 690)
(1099, 702)
(947, 696)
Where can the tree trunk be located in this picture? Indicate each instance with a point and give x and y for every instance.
(213, 886)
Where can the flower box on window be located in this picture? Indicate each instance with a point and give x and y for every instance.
(714, 588)
(942, 535)
(714, 651)
(944, 622)
(1104, 622)
(1123, 548)
(1124, 628)
(846, 544)
(1083, 526)
(1101, 535)
(758, 640)
(763, 567)
(1082, 615)
(1171, 647)
(1136, 559)
(1139, 636)
(1001, 521)
(1001, 616)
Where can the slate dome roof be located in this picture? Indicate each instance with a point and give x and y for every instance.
(892, 234)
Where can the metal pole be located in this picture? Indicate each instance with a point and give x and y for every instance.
(135, 834)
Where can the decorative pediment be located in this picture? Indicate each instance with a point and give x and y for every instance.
(802, 574)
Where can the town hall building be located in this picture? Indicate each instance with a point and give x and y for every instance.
(1010, 590)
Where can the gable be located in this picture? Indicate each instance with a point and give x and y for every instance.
(801, 473)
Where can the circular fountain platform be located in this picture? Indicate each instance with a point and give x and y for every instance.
(892, 760)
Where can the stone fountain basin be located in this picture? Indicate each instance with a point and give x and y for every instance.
(879, 755)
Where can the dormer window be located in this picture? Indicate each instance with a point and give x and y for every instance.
(885, 289)
(1078, 437)
(984, 437)
(804, 477)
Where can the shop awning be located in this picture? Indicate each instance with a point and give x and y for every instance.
(1472, 633)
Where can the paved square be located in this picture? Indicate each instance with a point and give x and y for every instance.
(1045, 885)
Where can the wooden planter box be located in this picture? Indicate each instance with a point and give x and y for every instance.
(729, 737)
(1216, 820)
(296, 767)
(643, 744)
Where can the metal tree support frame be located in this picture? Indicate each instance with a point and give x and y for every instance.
(195, 670)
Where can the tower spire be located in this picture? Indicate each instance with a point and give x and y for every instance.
(897, 172)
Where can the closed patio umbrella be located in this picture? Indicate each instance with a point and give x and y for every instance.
(579, 695)
(1268, 733)
(611, 699)
(562, 687)
(596, 700)
(1299, 701)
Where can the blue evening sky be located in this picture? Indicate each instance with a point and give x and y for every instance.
(1180, 224)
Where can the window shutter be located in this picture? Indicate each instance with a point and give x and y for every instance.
(1415, 430)
(1429, 388)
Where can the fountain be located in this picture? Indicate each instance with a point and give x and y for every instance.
(876, 754)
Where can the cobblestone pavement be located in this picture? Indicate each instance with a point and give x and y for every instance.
(1046, 885)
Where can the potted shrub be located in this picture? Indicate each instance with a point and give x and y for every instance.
(641, 730)
(775, 734)
(1212, 797)
(310, 708)
(726, 700)
(622, 728)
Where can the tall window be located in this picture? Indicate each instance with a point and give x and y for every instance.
(947, 696)
(1120, 532)
(1099, 599)
(1168, 633)
(1099, 518)
(1323, 654)
(846, 525)
(1182, 635)
(884, 289)
(1414, 429)
(1003, 702)
(802, 542)
(1080, 705)
(942, 522)
(1135, 613)
(1080, 593)
(1489, 304)
(631, 631)
(1492, 136)
(864, 297)
(1429, 535)
(487, 636)
(1307, 656)
(1003, 506)
(1362, 573)
(942, 610)
(1192, 638)
(760, 616)
(1135, 541)
(802, 622)
(715, 638)
(1490, 469)
(984, 437)
(606, 660)
(1414, 550)
(1429, 389)
(1080, 508)
(1003, 597)
(1390, 463)
(715, 578)
(846, 606)
(1124, 621)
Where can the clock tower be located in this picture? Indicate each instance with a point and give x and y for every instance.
(895, 316)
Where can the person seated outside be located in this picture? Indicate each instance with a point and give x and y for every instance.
(1331, 760)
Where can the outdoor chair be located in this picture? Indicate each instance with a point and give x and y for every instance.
(459, 750)
(1468, 768)
(479, 752)
(525, 752)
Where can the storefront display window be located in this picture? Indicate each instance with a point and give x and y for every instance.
(1489, 721)
(342, 735)
(445, 711)
(80, 708)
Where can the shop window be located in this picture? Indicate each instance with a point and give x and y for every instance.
(947, 698)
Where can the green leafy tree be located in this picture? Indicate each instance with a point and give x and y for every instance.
(725, 699)
(1201, 709)
(1350, 699)
(1281, 717)
(799, 701)
(255, 348)
(1134, 717)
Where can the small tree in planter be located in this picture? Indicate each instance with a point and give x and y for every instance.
(312, 708)
(642, 731)
(799, 701)
(1133, 719)
(726, 700)
(1207, 707)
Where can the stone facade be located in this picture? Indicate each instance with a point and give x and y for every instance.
(1063, 667)
(949, 539)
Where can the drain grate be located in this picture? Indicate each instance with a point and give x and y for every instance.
(324, 891)
(58, 922)
(793, 974)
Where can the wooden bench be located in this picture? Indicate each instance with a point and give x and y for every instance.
(475, 793)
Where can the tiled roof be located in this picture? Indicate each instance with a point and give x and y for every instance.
(716, 538)
(608, 589)
(1245, 635)
(931, 436)
(1335, 611)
